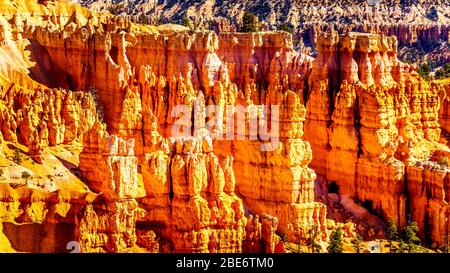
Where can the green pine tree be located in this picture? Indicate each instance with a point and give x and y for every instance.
(185, 21)
(392, 234)
(26, 175)
(286, 27)
(424, 71)
(335, 245)
(357, 243)
(410, 235)
(446, 244)
(315, 247)
(142, 18)
(17, 158)
(250, 22)
(401, 248)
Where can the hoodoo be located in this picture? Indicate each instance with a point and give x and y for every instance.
(88, 107)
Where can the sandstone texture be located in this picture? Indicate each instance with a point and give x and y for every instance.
(89, 153)
(377, 123)
(81, 78)
(421, 27)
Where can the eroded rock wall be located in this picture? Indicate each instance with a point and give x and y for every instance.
(138, 77)
(354, 115)
(374, 115)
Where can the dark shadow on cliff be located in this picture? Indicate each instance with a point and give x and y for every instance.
(39, 238)
(13, 147)
(46, 71)
(70, 166)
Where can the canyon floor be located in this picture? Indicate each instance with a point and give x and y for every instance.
(88, 154)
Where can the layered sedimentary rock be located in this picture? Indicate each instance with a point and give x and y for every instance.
(420, 26)
(389, 17)
(46, 219)
(443, 88)
(291, 198)
(109, 224)
(375, 114)
(189, 201)
(428, 189)
(264, 59)
(46, 116)
(191, 194)
(426, 32)
(164, 175)
(261, 237)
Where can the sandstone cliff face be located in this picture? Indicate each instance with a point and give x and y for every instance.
(110, 223)
(407, 34)
(357, 128)
(375, 115)
(236, 77)
(46, 219)
(428, 186)
(418, 25)
(354, 115)
(190, 196)
(46, 116)
(443, 88)
(133, 76)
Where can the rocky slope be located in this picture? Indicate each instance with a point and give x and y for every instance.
(421, 27)
(377, 133)
(89, 96)
(112, 92)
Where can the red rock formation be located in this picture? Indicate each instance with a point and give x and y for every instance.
(46, 116)
(189, 191)
(421, 22)
(358, 115)
(406, 34)
(428, 188)
(109, 224)
(374, 115)
(341, 130)
(260, 235)
(189, 199)
(261, 56)
(115, 174)
(291, 199)
(443, 88)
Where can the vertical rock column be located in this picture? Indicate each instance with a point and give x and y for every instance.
(110, 168)
(279, 182)
(429, 188)
(190, 197)
(351, 121)
(378, 172)
(443, 88)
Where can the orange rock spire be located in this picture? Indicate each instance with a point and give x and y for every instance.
(94, 93)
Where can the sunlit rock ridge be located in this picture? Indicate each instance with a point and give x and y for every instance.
(88, 155)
